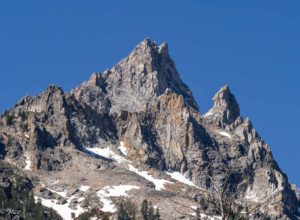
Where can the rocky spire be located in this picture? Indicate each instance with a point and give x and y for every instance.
(226, 109)
(146, 73)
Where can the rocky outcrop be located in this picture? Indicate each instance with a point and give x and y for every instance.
(134, 82)
(142, 103)
(226, 110)
(16, 194)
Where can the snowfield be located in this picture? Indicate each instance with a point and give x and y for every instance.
(159, 183)
(63, 210)
(84, 188)
(181, 178)
(113, 191)
(107, 153)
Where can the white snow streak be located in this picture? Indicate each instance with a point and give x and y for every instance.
(181, 178)
(113, 191)
(223, 133)
(62, 194)
(63, 210)
(28, 162)
(122, 148)
(108, 153)
(84, 188)
(159, 183)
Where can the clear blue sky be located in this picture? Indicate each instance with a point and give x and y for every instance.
(254, 46)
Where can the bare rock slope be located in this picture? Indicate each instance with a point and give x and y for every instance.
(138, 127)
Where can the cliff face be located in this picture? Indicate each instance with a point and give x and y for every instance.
(141, 111)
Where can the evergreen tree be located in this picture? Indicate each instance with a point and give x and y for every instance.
(126, 211)
(122, 215)
(157, 214)
(9, 119)
(144, 209)
(38, 211)
(151, 212)
(17, 200)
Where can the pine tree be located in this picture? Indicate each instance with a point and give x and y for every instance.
(121, 212)
(38, 211)
(151, 212)
(144, 210)
(157, 214)
(126, 210)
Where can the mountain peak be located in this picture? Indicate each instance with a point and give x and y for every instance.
(225, 98)
(226, 109)
(147, 42)
(139, 78)
(148, 54)
(137, 124)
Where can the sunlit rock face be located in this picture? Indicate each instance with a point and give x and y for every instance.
(131, 126)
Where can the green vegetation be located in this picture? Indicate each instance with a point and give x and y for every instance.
(17, 200)
(126, 210)
(9, 120)
(95, 212)
(22, 115)
(148, 212)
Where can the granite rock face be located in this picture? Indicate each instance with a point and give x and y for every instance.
(142, 103)
(226, 110)
(134, 82)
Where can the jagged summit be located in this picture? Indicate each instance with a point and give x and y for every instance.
(152, 46)
(226, 109)
(137, 126)
(139, 78)
(148, 54)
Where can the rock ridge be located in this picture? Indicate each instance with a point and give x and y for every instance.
(137, 116)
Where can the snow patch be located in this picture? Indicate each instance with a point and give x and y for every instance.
(159, 183)
(62, 194)
(108, 153)
(28, 162)
(63, 210)
(225, 134)
(122, 148)
(113, 191)
(181, 178)
(84, 188)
